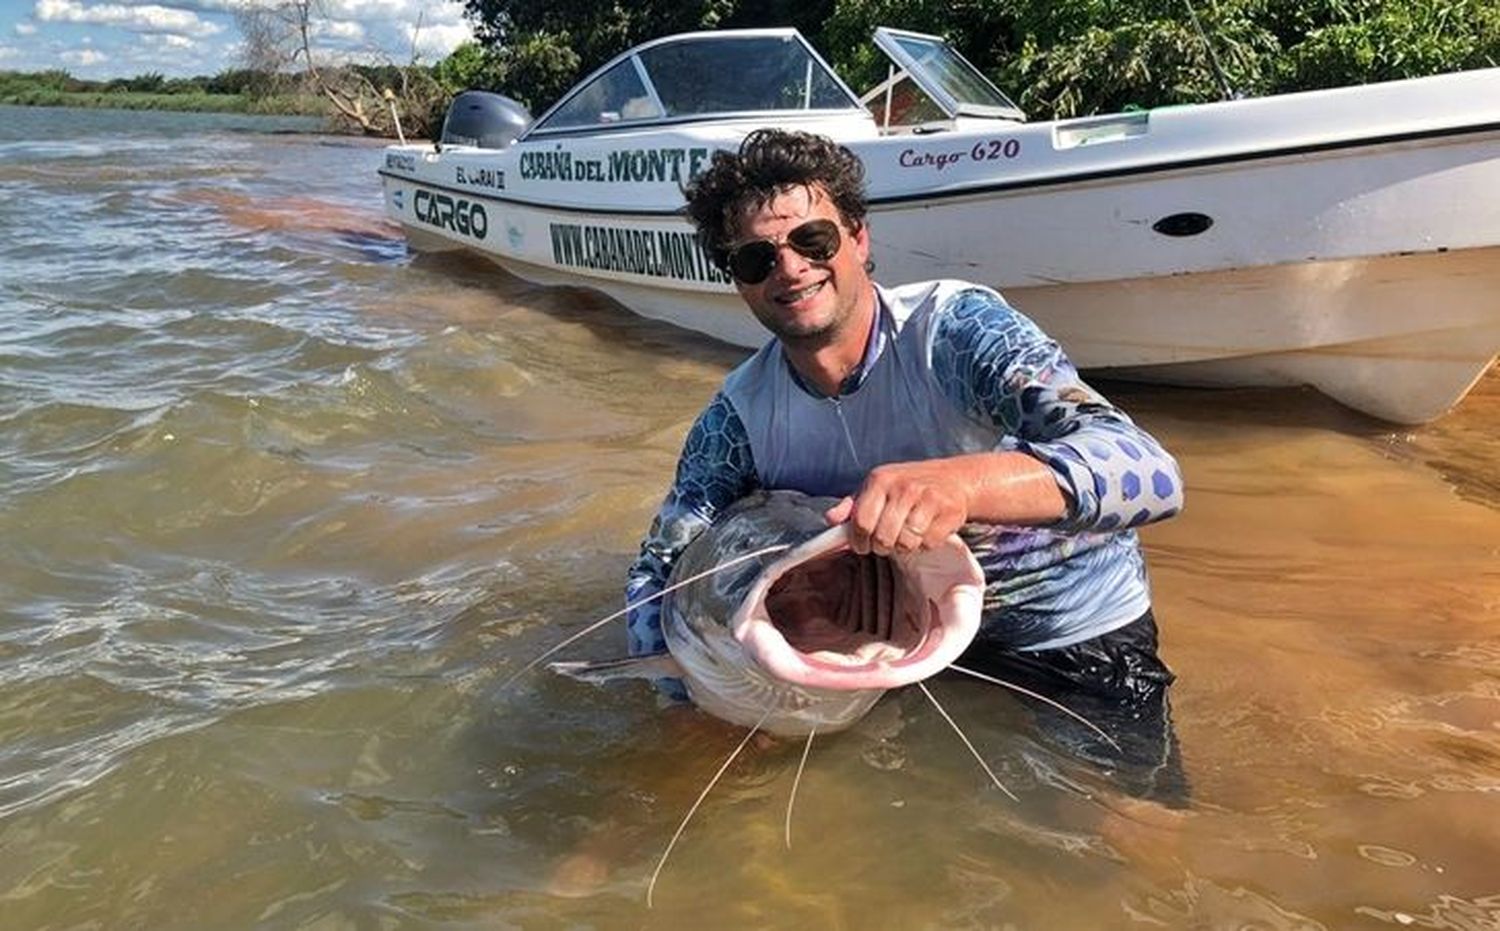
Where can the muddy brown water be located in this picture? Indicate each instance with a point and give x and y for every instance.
(281, 506)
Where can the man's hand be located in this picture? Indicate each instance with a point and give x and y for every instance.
(906, 506)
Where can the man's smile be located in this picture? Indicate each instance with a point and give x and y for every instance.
(793, 297)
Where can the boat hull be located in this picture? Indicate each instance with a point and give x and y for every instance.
(1399, 337)
(1174, 247)
(1411, 350)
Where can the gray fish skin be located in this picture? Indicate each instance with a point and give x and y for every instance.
(806, 638)
(721, 678)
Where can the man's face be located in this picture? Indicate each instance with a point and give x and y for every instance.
(803, 301)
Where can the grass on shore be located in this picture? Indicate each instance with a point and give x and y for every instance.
(279, 105)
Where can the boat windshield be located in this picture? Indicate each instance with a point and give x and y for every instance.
(945, 75)
(703, 75)
(737, 75)
(617, 95)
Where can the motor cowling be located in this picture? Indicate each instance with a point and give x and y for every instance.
(484, 119)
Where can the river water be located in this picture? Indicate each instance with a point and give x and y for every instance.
(282, 506)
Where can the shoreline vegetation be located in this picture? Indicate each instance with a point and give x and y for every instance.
(230, 92)
(1055, 60)
(187, 103)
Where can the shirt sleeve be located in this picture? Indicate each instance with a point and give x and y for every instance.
(714, 471)
(999, 366)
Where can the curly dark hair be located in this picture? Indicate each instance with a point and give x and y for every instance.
(770, 161)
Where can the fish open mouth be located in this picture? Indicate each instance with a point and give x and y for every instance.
(826, 617)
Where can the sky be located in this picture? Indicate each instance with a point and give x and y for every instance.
(181, 38)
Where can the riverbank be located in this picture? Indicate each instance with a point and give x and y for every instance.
(278, 105)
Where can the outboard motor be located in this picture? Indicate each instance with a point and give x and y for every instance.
(491, 121)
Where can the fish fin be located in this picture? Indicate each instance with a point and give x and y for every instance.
(655, 666)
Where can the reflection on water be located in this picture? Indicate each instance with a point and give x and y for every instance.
(281, 507)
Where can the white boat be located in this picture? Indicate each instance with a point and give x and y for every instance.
(1347, 239)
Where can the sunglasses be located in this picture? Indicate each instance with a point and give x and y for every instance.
(751, 262)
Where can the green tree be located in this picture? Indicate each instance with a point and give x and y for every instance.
(1057, 58)
(56, 79)
(543, 48)
(1155, 57)
(183, 86)
(983, 32)
(247, 82)
(1062, 58)
(1384, 40)
(470, 65)
(152, 82)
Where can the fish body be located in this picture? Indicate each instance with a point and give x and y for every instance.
(808, 640)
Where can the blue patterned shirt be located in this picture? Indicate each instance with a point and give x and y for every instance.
(999, 369)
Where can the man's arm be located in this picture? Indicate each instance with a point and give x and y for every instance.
(714, 471)
(904, 506)
(1069, 459)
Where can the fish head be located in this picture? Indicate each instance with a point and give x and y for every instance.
(810, 639)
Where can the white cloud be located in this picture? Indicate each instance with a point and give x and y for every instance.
(145, 18)
(436, 41)
(443, 14)
(339, 30)
(201, 6)
(167, 40)
(187, 37)
(84, 57)
(400, 13)
(379, 31)
(9, 51)
(209, 6)
(375, 9)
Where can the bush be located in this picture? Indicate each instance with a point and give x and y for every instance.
(1394, 40)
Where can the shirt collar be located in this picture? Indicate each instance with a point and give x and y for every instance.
(873, 348)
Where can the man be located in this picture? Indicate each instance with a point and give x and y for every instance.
(925, 408)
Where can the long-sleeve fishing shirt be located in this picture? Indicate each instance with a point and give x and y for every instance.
(950, 369)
